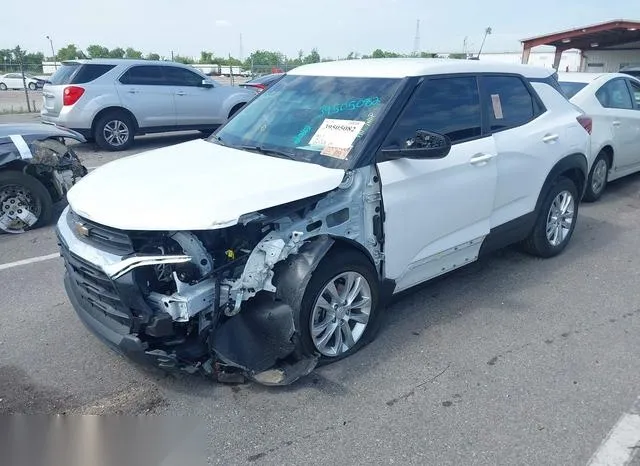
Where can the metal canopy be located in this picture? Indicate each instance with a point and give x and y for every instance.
(597, 36)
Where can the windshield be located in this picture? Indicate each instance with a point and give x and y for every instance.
(323, 120)
(570, 89)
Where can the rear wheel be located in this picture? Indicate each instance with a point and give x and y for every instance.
(33, 86)
(597, 178)
(339, 312)
(114, 131)
(3, 87)
(25, 203)
(556, 221)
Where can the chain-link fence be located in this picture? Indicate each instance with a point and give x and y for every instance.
(20, 88)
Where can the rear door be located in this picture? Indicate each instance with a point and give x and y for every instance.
(634, 155)
(437, 210)
(528, 139)
(195, 104)
(615, 97)
(145, 91)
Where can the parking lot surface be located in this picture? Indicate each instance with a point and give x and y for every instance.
(513, 360)
(16, 101)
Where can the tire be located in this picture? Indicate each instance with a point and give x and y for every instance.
(337, 263)
(35, 188)
(597, 182)
(539, 243)
(110, 122)
(32, 86)
(3, 87)
(235, 110)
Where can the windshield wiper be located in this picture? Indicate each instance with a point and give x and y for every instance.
(262, 150)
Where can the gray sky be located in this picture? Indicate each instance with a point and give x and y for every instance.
(335, 27)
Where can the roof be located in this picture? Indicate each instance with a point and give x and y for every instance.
(121, 61)
(404, 67)
(589, 77)
(601, 35)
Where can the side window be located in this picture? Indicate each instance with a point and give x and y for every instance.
(181, 77)
(507, 102)
(615, 94)
(144, 75)
(449, 106)
(635, 89)
(88, 73)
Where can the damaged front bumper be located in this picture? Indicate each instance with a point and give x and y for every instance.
(257, 343)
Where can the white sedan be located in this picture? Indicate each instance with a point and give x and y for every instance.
(612, 100)
(14, 81)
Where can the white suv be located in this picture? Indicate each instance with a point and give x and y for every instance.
(275, 243)
(113, 100)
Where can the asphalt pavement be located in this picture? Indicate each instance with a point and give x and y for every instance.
(512, 360)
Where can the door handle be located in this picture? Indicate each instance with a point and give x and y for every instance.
(180, 93)
(616, 123)
(132, 91)
(481, 158)
(550, 138)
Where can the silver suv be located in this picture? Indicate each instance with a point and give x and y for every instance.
(110, 101)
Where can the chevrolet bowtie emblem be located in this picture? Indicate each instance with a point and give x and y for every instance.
(81, 229)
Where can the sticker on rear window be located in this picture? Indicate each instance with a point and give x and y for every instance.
(497, 106)
(336, 133)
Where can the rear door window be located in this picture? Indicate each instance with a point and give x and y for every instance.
(507, 102)
(144, 75)
(615, 94)
(449, 106)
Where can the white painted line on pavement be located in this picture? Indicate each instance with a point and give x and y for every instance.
(622, 442)
(32, 260)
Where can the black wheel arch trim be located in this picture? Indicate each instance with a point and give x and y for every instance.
(566, 166)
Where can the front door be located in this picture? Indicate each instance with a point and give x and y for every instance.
(437, 211)
(196, 105)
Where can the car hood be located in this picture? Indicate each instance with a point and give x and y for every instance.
(197, 185)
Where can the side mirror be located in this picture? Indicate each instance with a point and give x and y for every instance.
(206, 83)
(424, 145)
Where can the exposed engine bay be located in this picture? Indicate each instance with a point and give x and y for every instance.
(225, 302)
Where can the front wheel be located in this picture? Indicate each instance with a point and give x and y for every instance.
(3, 87)
(339, 312)
(597, 178)
(556, 220)
(25, 203)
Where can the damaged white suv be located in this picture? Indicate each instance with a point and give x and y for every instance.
(274, 244)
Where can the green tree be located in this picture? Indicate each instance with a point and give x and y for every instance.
(132, 53)
(428, 55)
(206, 57)
(69, 52)
(184, 60)
(313, 57)
(264, 58)
(118, 52)
(458, 56)
(98, 51)
(153, 56)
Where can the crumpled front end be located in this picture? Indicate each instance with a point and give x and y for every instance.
(222, 302)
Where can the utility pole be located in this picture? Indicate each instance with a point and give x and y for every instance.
(241, 51)
(172, 55)
(18, 53)
(487, 31)
(53, 52)
(416, 40)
